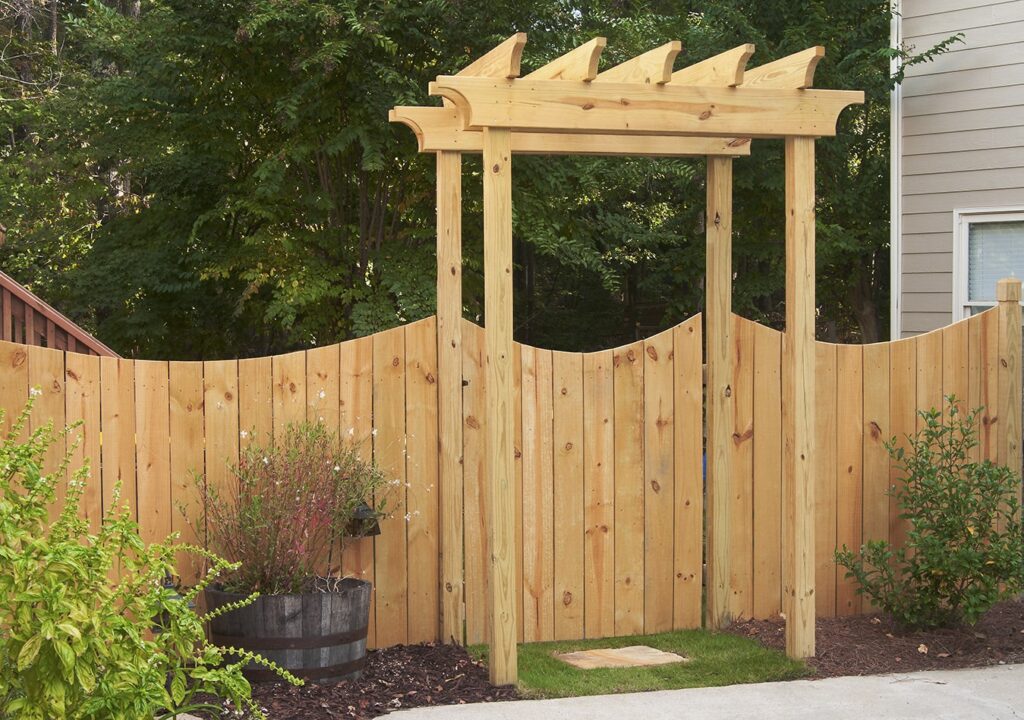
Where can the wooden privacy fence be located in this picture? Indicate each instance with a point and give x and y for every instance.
(608, 458)
(866, 395)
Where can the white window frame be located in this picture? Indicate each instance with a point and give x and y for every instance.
(962, 220)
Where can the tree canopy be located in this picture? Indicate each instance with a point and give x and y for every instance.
(218, 178)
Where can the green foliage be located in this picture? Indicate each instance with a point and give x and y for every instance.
(75, 625)
(291, 506)
(965, 549)
(211, 178)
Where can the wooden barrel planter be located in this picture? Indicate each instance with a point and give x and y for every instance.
(317, 636)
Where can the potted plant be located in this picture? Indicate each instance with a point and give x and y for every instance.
(283, 516)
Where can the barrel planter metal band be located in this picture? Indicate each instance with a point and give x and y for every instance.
(315, 635)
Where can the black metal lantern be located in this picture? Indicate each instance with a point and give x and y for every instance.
(364, 522)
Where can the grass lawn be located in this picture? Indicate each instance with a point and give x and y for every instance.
(715, 659)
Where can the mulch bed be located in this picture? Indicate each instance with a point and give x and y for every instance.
(872, 644)
(398, 677)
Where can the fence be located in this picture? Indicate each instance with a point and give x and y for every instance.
(609, 447)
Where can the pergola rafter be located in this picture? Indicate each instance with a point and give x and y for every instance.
(639, 107)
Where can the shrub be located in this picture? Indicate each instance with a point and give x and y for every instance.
(289, 508)
(76, 637)
(964, 549)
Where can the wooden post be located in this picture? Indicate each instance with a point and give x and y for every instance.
(798, 400)
(449, 391)
(718, 317)
(500, 423)
(1009, 425)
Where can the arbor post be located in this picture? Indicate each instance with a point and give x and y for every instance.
(798, 414)
(449, 391)
(718, 318)
(500, 420)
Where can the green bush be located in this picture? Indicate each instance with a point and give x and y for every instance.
(76, 638)
(964, 549)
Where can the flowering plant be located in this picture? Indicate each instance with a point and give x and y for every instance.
(285, 512)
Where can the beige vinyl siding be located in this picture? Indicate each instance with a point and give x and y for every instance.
(962, 128)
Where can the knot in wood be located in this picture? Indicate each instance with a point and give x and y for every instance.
(718, 219)
(497, 168)
(655, 486)
(291, 387)
(395, 361)
(705, 115)
(18, 358)
(568, 446)
(631, 356)
(430, 379)
(567, 598)
(228, 396)
(448, 586)
(728, 391)
(73, 375)
(652, 352)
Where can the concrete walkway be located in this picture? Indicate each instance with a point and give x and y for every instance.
(995, 693)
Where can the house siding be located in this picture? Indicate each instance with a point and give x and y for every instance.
(961, 125)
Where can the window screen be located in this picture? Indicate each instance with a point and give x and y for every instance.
(995, 250)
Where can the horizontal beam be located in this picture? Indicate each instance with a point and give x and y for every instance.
(632, 109)
(439, 129)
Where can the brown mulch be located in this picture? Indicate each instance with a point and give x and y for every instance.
(872, 644)
(397, 677)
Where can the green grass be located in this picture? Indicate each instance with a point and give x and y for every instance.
(715, 659)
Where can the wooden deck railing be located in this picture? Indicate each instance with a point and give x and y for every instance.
(29, 320)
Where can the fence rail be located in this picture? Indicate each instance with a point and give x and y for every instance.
(608, 458)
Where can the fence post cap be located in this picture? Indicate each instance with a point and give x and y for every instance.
(1008, 290)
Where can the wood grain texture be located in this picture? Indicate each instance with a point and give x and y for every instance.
(117, 417)
(500, 488)
(289, 391)
(722, 70)
(538, 496)
(567, 403)
(720, 415)
(256, 401)
(688, 347)
(578, 64)
(188, 461)
(799, 395)
(355, 416)
(903, 378)
(825, 496)
(767, 584)
(83, 405)
(421, 463)
(653, 67)
(449, 391)
(632, 108)
(741, 447)
(659, 485)
(13, 383)
(1009, 451)
(220, 419)
(389, 428)
(153, 451)
(794, 71)
(628, 377)
(474, 453)
(849, 467)
(599, 493)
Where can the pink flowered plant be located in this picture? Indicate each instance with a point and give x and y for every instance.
(284, 511)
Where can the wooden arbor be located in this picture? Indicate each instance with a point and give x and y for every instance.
(640, 107)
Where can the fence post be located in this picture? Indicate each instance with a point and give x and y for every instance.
(718, 317)
(1008, 428)
(798, 416)
(500, 477)
(449, 391)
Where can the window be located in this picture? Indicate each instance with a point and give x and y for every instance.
(988, 246)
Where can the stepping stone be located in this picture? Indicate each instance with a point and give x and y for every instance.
(634, 656)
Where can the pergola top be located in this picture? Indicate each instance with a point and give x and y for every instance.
(639, 107)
